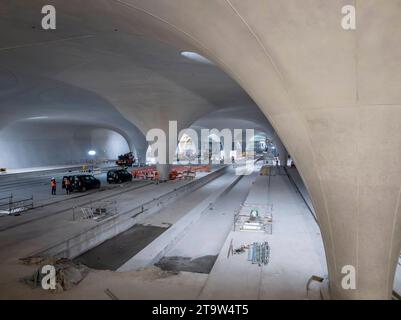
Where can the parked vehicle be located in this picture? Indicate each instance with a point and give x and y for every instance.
(118, 176)
(82, 182)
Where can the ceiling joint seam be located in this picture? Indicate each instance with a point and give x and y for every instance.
(46, 42)
(260, 43)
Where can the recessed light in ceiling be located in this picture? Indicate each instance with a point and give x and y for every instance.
(195, 57)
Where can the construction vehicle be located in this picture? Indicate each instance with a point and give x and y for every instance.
(126, 160)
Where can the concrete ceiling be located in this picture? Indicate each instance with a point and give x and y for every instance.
(97, 67)
(238, 118)
(332, 95)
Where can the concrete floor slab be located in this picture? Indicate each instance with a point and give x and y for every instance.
(208, 235)
(23, 240)
(294, 256)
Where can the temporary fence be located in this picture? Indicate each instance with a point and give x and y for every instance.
(144, 173)
(188, 172)
(12, 205)
(176, 172)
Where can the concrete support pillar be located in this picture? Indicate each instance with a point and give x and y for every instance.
(140, 155)
(357, 206)
(169, 146)
(164, 170)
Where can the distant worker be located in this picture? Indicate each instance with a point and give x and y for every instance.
(157, 177)
(67, 184)
(53, 185)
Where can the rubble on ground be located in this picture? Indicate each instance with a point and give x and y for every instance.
(68, 273)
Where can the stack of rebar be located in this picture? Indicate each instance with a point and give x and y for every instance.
(259, 253)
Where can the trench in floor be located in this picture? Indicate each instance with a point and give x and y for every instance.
(113, 253)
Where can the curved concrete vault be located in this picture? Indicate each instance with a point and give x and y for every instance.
(104, 70)
(37, 99)
(242, 118)
(331, 95)
(39, 142)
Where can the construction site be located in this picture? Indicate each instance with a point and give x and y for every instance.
(200, 150)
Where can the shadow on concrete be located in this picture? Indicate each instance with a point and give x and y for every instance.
(199, 265)
(113, 253)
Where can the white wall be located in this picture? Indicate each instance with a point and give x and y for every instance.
(40, 143)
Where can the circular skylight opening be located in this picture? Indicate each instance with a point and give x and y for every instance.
(195, 57)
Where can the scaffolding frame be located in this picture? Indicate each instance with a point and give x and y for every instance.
(97, 211)
(262, 223)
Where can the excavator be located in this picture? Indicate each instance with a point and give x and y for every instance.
(126, 160)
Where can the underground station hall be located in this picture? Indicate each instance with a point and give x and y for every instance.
(200, 150)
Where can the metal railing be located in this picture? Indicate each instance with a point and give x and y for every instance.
(12, 206)
(95, 211)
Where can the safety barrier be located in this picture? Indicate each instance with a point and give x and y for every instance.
(187, 172)
(144, 173)
(176, 173)
(200, 168)
(14, 206)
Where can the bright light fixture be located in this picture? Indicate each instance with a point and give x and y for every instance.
(38, 118)
(92, 152)
(196, 57)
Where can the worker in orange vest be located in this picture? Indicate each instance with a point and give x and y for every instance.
(67, 184)
(157, 177)
(53, 185)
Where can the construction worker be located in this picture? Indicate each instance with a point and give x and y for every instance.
(67, 184)
(157, 177)
(53, 185)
